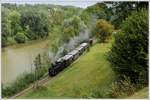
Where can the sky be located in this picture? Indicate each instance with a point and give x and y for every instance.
(77, 3)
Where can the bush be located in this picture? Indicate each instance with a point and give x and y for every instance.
(10, 40)
(7, 41)
(129, 52)
(121, 88)
(20, 38)
(103, 29)
(4, 41)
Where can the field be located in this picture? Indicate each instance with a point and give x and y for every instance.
(90, 73)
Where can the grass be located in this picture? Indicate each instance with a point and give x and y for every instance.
(141, 94)
(91, 72)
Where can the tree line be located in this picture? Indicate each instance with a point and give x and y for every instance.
(31, 22)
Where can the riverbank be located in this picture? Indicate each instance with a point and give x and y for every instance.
(41, 82)
(20, 45)
(24, 81)
(19, 59)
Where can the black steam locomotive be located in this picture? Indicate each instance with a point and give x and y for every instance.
(66, 60)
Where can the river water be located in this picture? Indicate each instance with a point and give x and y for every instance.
(18, 59)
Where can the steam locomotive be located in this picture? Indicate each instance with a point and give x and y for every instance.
(68, 59)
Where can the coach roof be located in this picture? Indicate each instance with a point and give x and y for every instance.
(73, 52)
(66, 57)
(84, 44)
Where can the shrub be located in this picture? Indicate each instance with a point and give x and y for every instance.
(103, 29)
(121, 88)
(10, 40)
(4, 41)
(7, 41)
(129, 52)
(20, 38)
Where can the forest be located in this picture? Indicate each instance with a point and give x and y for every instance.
(120, 26)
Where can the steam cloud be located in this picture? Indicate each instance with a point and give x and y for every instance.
(73, 43)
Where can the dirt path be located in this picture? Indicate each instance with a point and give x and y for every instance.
(41, 82)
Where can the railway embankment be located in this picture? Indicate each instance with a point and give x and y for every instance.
(90, 73)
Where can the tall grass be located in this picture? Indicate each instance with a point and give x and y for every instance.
(122, 88)
(118, 89)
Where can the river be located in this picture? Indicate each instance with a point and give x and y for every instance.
(18, 59)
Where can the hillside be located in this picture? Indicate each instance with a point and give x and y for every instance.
(90, 73)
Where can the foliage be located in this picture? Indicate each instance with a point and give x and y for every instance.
(57, 16)
(72, 27)
(122, 10)
(121, 88)
(141, 94)
(6, 26)
(103, 29)
(14, 18)
(129, 52)
(85, 17)
(98, 10)
(11, 40)
(38, 65)
(20, 37)
(37, 22)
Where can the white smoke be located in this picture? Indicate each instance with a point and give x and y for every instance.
(75, 41)
(59, 52)
(72, 44)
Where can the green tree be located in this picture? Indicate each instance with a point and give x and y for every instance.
(71, 28)
(56, 15)
(6, 26)
(68, 32)
(20, 37)
(85, 17)
(103, 29)
(37, 22)
(97, 10)
(76, 24)
(38, 65)
(14, 18)
(121, 10)
(129, 52)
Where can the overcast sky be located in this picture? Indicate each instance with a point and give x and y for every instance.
(78, 3)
